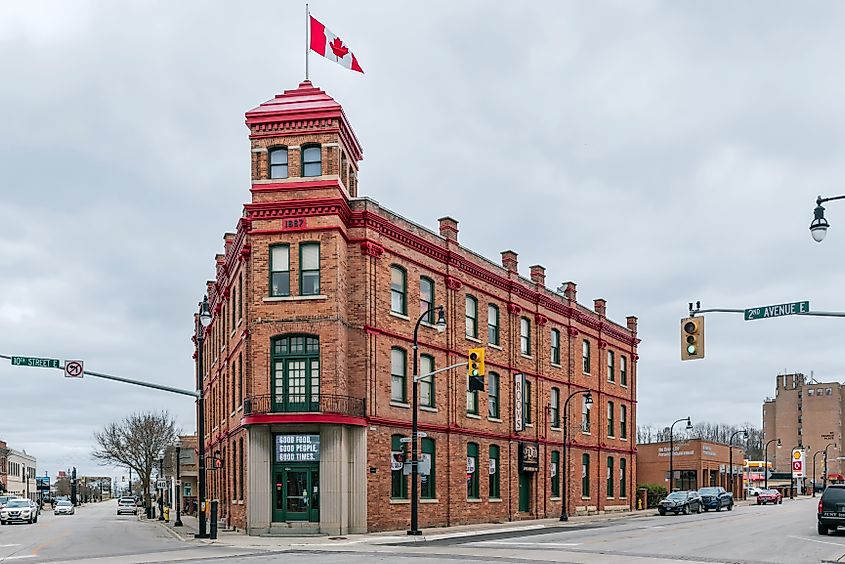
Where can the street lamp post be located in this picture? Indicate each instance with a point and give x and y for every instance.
(160, 488)
(178, 485)
(731, 456)
(819, 225)
(766, 461)
(441, 326)
(588, 399)
(204, 320)
(818, 452)
(672, 451)
(824, 483)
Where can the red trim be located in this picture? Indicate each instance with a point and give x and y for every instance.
(269, 419)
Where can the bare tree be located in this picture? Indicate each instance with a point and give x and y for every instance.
(136, 442)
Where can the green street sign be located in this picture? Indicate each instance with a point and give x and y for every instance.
(35, 362)
(764, 312)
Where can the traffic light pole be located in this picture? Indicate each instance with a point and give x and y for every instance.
(697, 310)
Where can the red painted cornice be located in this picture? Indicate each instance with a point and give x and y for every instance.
(271, 418)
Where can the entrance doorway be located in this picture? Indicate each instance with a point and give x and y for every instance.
(524, 492)
(296, 492)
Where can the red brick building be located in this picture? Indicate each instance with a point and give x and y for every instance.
(309, 358)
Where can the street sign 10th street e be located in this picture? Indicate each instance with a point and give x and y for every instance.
(764, 312)
(35, 362)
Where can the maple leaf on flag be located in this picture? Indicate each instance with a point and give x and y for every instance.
(338, 48)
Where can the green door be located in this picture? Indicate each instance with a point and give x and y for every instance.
(524, 492)
(296, 495)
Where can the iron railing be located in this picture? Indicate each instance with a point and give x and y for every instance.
(324, 403)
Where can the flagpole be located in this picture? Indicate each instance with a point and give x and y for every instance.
(307, 38)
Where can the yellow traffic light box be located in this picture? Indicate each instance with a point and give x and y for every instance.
(475, 370)
(692, 338)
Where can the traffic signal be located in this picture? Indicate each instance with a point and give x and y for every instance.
(692, 338)
(475, 370)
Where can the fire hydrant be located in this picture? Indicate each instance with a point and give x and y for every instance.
(166, 514)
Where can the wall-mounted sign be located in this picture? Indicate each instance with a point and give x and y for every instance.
(529, 457)
(518, 392)
(397, 458)
(470, 464)
(294, 223)
(297, 448)
(492, 466)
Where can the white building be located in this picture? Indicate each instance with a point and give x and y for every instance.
(21, 474)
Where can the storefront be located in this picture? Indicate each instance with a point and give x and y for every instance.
(696, 463)
(296, 478)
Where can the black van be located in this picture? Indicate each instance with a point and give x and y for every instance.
(832, 508)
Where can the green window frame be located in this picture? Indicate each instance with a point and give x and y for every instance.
(585, 356)
(279, 270)
(555, 473)
(398, 375)
(611, 366)
(492, 324)
(472, 477)
(309, 269)
(611, 424)
(493, 395)
(472, 402)
(427, 299)
(526, 402)
(471, 311)
(398, 480)
(555, 407)
(585, 475)
(623, 421)
(586, 408)
(623, 370)
(278, 160)
(312, 160)
(610, 476)
(295, 376)
(623, 467)
(524, 336)
(494, 472)
(428, 489)
(427, 398)
(398, 290)
(555, 347)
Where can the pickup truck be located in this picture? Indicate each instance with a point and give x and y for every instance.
(716, 498)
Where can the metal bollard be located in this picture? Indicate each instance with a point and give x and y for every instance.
(213, 535)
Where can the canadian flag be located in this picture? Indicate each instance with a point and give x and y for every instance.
(332, 47)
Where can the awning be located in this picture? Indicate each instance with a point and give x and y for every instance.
(835, 476)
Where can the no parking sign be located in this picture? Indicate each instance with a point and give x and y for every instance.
(797, 463)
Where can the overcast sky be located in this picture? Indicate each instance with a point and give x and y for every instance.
(655, 153)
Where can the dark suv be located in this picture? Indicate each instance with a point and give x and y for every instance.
(716, 498)
(832, 508)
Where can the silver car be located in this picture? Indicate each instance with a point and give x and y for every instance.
(64, 507)
(19, 510)
(126, 505)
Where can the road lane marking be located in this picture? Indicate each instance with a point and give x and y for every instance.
(839, 544)
(8, 545)
(20, 556)
(515, 543)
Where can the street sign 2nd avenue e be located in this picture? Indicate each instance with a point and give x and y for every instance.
(764, 312)
(35, 362)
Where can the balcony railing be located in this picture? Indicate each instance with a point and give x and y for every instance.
(324, 403)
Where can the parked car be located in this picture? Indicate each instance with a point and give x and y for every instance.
(754, 491)
(769, 496)
(4, 499)
(716, 498)
(126, 505)
(64, 507)
(831, 512)
(21, 510)
(680, 502)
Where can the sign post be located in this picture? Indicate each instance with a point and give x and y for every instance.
(765, 312)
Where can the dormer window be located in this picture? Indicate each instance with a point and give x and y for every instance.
(279, 162)
(311, 163)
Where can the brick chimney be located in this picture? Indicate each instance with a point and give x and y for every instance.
(570, 293)
(448, 228)
(509, 261)
(600, 306)
(632, 324)
(538, 275)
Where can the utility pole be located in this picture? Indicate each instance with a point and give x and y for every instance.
(73, 496)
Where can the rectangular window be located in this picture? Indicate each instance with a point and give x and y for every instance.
(472, 471)
(471, 317)
(494, 473)
(611, 367)
(427, 489)
(526, 402)
(585, 356)
(279, 163)
(585, 475)
(555, 407)
(585, 416)
(398, 291)
(524, 336)
(555, 346)
(492, 325)
(309, 269)
(311, 165)
(610, 476)
(493, 395)
(398, 480)
(623, 422)
(398, 377)
(623, 490)
(472, 402)
(280, 270)
(427, 384)
(554, 473)
(611, 424)
(623, 370)
(427, 299)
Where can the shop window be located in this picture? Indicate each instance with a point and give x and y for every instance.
(494, 472)
(472, 471)
(610, 476)
(554, 473)
(427, 482)
(585, 475)
(398, 480)
(623, 490)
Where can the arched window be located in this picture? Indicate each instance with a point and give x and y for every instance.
(398, 290)
(427, 483)
(427, 298)
(295, 361)
(398, 481)
(472, 471)
(471, 316)
(493, 489)
(279, 162)
(311, 161)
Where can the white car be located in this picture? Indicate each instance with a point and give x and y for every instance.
(64, 507)
(126, 505)
(754, 491)
(22, 510)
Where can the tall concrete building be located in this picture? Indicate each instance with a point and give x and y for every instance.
(805, 413)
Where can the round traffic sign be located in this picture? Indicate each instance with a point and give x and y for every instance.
(796, 465)
(73, 368)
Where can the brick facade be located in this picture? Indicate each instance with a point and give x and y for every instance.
(360, 243)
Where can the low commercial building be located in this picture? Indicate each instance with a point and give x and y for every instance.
(185, 485)
(4, 466)
(20, 478)
(697, 463)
